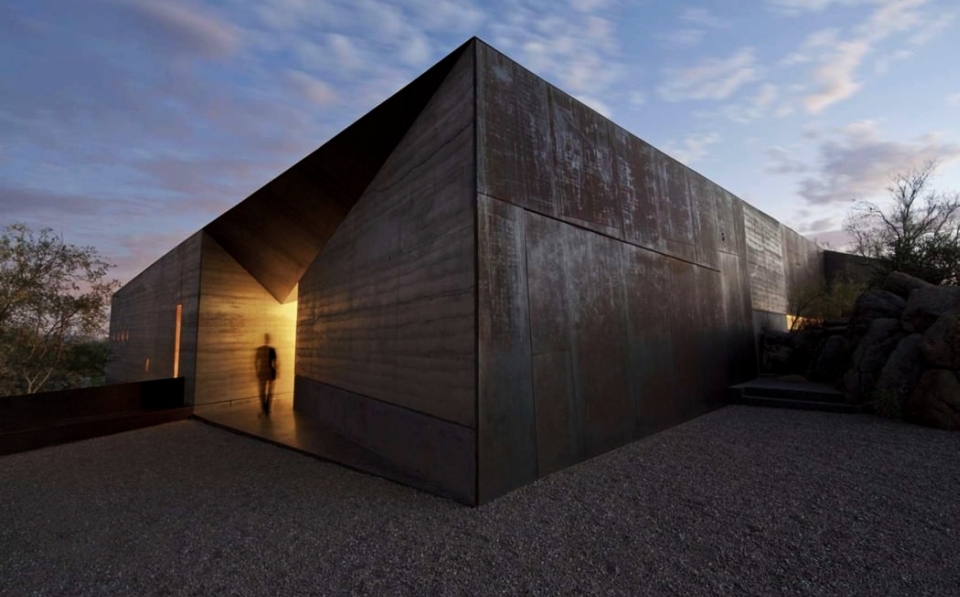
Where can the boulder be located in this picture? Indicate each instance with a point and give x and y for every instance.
(936, 400)
(875, 304)
(926, 305)
(901, 373)
(941, 341)
(902, 284)
(834, 359)
(871, 355)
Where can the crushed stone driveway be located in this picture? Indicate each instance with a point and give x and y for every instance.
(743, 501)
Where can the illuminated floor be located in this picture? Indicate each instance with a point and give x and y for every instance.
(290, 429)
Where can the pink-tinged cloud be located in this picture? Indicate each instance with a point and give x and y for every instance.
(182, 27)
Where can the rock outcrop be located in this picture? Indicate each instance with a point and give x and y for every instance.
(941, 341)
(926, 305)
(899, 352)
(936, 400)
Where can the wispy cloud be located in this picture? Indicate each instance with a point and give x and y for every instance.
(693, 148)
(710, 79)
(704, 18)
(312, 87)
(783, 162)
(182, 27)
(681, 38)
(857, 162)
(839, 55)
(579, 51)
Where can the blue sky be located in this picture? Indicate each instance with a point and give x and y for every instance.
(130, 124)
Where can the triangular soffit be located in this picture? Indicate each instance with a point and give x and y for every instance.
(280, 229)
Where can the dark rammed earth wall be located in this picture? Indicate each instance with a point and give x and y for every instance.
(143, 319)
(614, 290)
(501, 284)
(386, 338)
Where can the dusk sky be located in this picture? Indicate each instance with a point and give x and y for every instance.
(130, 124)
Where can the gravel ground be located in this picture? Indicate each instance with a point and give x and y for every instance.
(744, 501)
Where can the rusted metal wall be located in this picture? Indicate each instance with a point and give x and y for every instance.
(614, 288)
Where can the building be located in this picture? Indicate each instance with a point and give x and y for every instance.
(482, 281)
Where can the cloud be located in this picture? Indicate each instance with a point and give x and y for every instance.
(712, 78)
(682, 38)
(693, 148)
(596, 104)
(857, 163)
(834, 240)
(783, 162)
(953, 99)
(704, 18)
(576, 50)
(313, 88)
(818, 226)
(638, 99)
(836, 75)
(798, 7)
(180, 27)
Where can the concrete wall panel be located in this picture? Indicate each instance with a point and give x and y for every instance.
(387, 310)
(394, 442)
(507, 440)
(143, 319)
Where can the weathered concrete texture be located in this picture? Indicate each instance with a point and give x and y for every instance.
(544, 151)
(613, 273)
(596, 322)
(143, 317)
(235, 314)
(387, 310)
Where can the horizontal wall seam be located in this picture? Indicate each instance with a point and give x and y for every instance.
(626, 242)
(400, 406)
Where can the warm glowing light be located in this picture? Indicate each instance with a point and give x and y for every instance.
(176, 342)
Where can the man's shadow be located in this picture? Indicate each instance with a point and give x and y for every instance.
(266, 367)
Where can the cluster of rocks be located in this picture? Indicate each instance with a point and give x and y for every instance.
(899, 351)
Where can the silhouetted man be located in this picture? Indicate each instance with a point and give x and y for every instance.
(266, 364)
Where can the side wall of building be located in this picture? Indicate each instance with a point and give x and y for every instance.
(386, 342)
(235, 313)
(143, 319)
(614, 296)
(783, 265)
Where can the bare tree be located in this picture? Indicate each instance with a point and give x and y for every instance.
(917, 233)
(53, 306)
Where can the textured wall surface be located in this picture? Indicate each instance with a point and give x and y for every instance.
(613, 286)
(768, 283)
(235, 313)
(143, 319)
(782, 263)
(387, 310)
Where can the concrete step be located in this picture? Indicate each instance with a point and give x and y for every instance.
(790, 390)
(802, 395)
(832, 407)
(71, 430)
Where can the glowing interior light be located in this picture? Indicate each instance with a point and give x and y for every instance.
(176, 342)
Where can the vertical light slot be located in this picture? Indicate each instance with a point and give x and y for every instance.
(176, 342)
